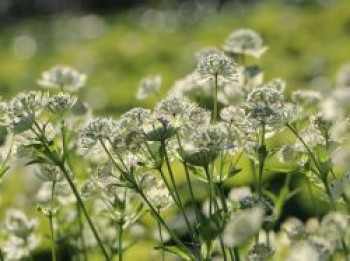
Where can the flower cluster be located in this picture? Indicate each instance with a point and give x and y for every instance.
(107, 182)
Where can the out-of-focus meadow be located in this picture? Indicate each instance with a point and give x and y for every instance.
(307, 42)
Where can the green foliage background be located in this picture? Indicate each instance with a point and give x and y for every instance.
(304, 42)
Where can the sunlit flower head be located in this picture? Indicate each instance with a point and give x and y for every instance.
(246, 42)
(62, 77)
(60, 103)
(217, 65)
(24, 109)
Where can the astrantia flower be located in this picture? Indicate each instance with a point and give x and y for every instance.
(246, 42)
(265, 106)
(290, 154)
(18, 224)
(51, 173)
(217, 65)
(16, 248)
(3, 114)
(159, 195)
(96, 130)
(60, 103)
(233, 115)
(24, 109)
(62, 77)
(244, 225)
(295, 229)
(148, 86)
(160, 128)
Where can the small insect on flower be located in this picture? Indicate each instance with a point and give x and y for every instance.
(148, 86)
(217, 65)
(246, 42)
(62, 77)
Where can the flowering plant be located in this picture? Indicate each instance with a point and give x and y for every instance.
(100, 176)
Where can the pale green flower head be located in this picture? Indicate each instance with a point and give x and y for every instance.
(62, 77)
(244, 225)
(149, 86)
(217, 65)
(246, 42)
(18, 224)
(60, 103)
(24, 109)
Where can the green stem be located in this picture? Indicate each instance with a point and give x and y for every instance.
(189, 182)
(149, 204)
(161, 237)
(193, 233)
(81, 228)
(215, 95)
(120, 242)
(53, 240)
(206, 170)
(262, 157)
(59, 163)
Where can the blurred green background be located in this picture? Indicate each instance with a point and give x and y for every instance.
(308, 41)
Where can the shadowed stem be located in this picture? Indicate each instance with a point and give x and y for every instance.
(59, 163)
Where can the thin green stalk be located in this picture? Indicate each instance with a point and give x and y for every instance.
(53, 240)
(120, 242)
(215, 95)
(1, 256)
(153, 210)
(236, 254)
(163, 223)
(192, 231)
(172, 179)
(189, 182)
(206, 170)
(161, 237)
(313, 158)
(81, 228)
(60, 164)
(262, 158)
(223, 250)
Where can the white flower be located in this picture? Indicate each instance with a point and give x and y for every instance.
(148, 86)
(16, 248)
(62, 77)
(24, 109)
(265, 106)
(237, 194)
(60, 103)
(159, 195)
(289, 154)
(246, 42)
(243, 226)
(217, 65)
(98, 129)
(18, 224)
